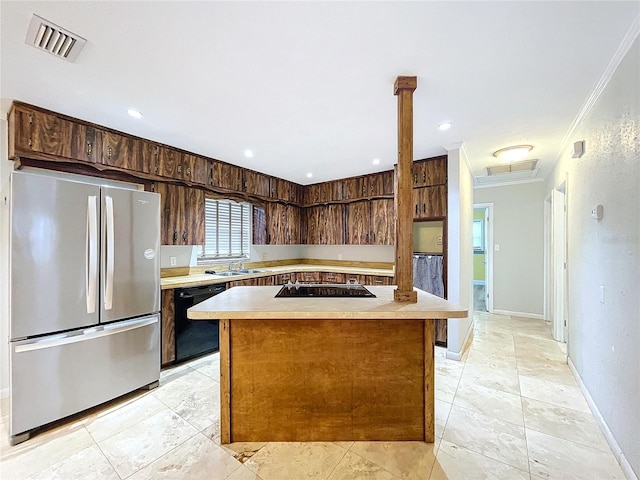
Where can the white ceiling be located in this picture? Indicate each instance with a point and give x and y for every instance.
(308, 86)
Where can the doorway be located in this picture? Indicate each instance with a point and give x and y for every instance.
(556, 261)
(483, 257)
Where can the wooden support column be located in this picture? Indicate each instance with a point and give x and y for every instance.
(403, 89)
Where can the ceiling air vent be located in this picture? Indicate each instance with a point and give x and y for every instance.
(49, 37)
(526, 166)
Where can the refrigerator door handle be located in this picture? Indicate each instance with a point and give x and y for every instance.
(109, 261)
(91, 275)
(83, 335)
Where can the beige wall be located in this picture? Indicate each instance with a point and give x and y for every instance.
(518, 229)
(604, 338)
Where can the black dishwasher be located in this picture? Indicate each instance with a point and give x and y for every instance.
(195, 337)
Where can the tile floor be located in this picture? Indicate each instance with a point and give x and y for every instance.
(510, 410)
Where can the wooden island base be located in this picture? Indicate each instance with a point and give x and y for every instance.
(326, 380)
(325, 369)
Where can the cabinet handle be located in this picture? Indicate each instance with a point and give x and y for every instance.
(89, 148)
(424, 177)
(188, 171)
(109, 152)
(175, 235)
(416, 209)
(184, 236)
(415, 179)
(30, 119)
(30, 142)
(424, 208)
(179, 168)
(155, 168)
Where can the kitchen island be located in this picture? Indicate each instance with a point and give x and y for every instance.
(325, 369)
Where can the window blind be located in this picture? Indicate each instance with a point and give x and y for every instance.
(227, 228)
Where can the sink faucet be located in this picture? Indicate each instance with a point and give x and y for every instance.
(238, 264)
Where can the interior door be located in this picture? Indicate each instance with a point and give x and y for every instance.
(54, 254)
(130, 277)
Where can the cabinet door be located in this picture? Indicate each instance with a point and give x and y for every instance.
(294, 226)
(312, 194)
(308, 277)
(336, 190)
(331, 277)
(358, 223)
(418, 169)
(86, 143)
(147, 154)
(256, 183)
(430, 202)
(314, 224)
(259, 230)
(191, 168)
(333, 225)
(227, 176)
(296, 194)
(379, 280)
(285, 190)
(436, 171)
(283, 224)
(381, 184)
(49, 134)
(194, 216)
(168, 215)
(169, 159)
(355, 187)
(167, 329)
(383, 222)
(117, 151)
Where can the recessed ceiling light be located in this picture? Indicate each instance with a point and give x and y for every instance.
(248, 153)
(309, 175)
(134, 113)
(376, 161)
(514, 153)
(444, 126)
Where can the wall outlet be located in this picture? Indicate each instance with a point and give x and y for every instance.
(439, 241)
(173, 261)
(263, 256)
(339, 256)
(496, 247)
(601, 293)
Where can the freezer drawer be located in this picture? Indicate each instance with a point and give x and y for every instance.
(59, 375)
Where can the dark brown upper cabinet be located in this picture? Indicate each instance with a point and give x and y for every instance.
(355, 187)
(256, 183)
(118, 151)
(227, 176)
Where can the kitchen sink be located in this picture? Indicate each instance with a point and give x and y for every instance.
(229, 273)
(250, 271)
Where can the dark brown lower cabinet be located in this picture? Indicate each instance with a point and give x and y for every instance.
(167, 329)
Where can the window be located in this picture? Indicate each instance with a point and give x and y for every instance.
(478, 236)
(227, 229)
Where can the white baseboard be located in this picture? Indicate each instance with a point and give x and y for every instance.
(537, 316)
(611, 440)
(465, 345)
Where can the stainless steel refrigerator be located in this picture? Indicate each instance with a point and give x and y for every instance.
(84, 296)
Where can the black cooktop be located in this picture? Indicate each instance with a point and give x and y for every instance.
(322, 290)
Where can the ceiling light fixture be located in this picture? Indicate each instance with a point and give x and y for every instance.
(445, 126)
(376, 161)
(248, 153)
(309, 175)
(134, 113)
(513, 154)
